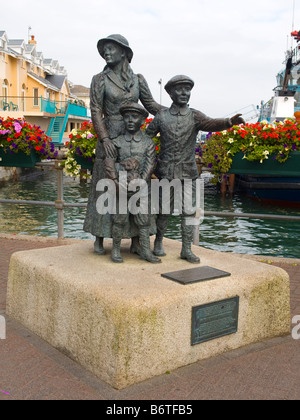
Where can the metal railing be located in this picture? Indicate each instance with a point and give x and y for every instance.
(226, 214)
(265, 111)
(60, 205)
(33, 104)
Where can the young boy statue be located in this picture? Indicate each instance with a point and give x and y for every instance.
(178, 127)
(135, 155)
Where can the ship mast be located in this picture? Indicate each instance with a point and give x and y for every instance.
(284, 101)
(293, 22)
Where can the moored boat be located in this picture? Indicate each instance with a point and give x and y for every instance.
(274, 182)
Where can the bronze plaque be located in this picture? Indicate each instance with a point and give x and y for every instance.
(214, 320)
(195, 275)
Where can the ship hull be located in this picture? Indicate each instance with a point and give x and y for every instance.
(271, 181)
(283, 192)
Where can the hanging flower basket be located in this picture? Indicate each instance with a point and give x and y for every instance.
(80, 150)
(258, 149)
(19, 159)
(23, 144)
(270, 167)
(84, 162)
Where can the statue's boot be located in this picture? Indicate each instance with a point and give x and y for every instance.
(187, 240)
(135, 246)
(116, 249)
(146, 253)
(161, 225)
(98, 246)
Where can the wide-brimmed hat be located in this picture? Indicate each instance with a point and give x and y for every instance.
(134, 107)
(178, 79)
(118, 39)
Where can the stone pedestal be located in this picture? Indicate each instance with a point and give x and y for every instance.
(126, 323)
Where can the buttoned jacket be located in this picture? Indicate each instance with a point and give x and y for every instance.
(138, 146)
(178, 128)
(108, 93)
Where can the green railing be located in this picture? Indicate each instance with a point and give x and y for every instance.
(39, 104)
(58, 125)
(79, 111)
(48, 106)
(60, 108)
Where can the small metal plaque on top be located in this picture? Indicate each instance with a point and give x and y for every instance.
(214, 320)
(195, 275)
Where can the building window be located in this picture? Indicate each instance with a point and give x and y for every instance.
(5, 89)
(35, 97)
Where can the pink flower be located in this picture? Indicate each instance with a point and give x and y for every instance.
(3, 132)
(18, 127)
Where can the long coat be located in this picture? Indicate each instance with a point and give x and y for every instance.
(107, 95)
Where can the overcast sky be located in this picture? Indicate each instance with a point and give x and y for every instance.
(232, 49)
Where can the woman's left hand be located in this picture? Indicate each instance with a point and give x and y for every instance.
(109, 148)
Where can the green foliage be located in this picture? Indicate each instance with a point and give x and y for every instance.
(257, 141)
(82, 144)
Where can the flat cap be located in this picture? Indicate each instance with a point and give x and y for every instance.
(178, 79)
(132, 106)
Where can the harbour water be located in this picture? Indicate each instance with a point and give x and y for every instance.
(245, 236)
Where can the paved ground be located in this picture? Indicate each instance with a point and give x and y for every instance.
(30, 369)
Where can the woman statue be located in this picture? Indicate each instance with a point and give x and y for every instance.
(115, 86)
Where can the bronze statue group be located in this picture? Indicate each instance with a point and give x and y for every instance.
(117, 117)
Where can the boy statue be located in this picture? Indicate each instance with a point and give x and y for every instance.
(178, 127)
(135, 155)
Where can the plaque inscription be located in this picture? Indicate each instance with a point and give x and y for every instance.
(194, 275)
(214, 320)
